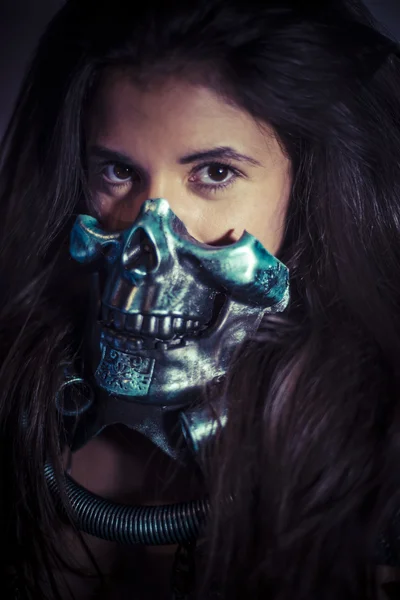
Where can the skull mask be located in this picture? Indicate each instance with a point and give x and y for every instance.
(170, 315)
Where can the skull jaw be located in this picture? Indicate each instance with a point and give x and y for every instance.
(170, 378)
(161, 386)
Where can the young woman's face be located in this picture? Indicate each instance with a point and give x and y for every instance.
(220, 170)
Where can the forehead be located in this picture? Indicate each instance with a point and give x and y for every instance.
(172, 111)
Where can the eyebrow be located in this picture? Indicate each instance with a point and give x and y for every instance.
(220, 152)
(109, 154)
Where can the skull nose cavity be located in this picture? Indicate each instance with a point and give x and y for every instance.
(140, 255)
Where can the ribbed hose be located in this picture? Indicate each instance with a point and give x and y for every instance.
(148, 525)
(153, 525)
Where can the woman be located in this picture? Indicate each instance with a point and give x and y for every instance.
(278, 118)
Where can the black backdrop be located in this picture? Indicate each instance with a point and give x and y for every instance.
(21, 22)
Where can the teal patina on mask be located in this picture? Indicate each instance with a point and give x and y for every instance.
(169, 315)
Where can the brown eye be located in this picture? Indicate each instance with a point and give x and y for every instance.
(122, 172)
(117, 173)
(214, 176)
(218, 173)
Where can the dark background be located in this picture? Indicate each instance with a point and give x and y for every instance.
(21, 22)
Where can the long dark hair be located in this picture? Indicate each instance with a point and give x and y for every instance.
(310, 453)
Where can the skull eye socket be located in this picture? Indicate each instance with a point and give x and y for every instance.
(110, 250)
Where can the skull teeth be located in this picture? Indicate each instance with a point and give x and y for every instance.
(129, 344)
(134, 323)
(160, 327)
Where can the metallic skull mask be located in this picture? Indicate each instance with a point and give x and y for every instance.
(170, 314)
